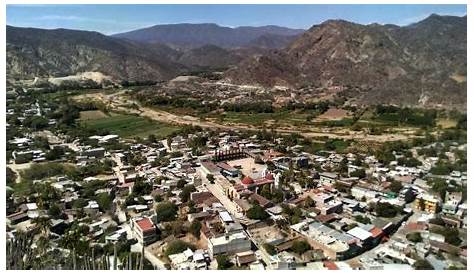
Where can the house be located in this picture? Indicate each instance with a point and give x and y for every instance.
(228, 170)
(330, 207)
(453, 200)
(94, 152)
(361, 193)
(244, 258)
(335, 244)
(407, 194)
(208, 167)
(426, 202)
(144, 230)
(229, 243)
(118, 235)
(327, 178)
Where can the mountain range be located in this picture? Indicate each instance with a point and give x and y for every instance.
(424, 63)
(159, 53)
(197, 35)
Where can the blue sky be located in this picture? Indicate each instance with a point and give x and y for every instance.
(110, 19)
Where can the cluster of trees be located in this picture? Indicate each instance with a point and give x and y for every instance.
(451, 234)
(406, 116)
(251, 107)
(45, 170)
(423, 265)
(178, 246)
(270, 249)
(360, 173)
(387, 210)
(36, 122)
(257, 212)
(175, 101)
(293, 214)
(414, 237)
(408, 161)
(319, 107)
(396, 186)
(10, 176)
(277, 195)
(362, 219)
(223, 262)
(444, 168)
(186, 193)
(300, 247)
(439, 186)
(195, 229)
(166, 211)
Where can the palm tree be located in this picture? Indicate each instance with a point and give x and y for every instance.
(43, 224)
(19, 254)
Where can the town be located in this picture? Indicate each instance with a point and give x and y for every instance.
(203, 198)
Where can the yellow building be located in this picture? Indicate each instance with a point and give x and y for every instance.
(427, 203)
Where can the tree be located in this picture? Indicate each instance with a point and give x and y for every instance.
(270, 248)
(386, 210)
(308, 202)
(11, 176)
(54, 211)
(181, 183)
(43, 224)
(54, 153)
(177, 246)
(360, 173)
(441, 187)
(36, 122)
(140, 187)
(210, 178)
(414, 237)
(266, 192)
(223, 262)
(104, 200)
(186, 193)
(257, 212)
(451, 235)
(362, 219)
(166, 211)
(422, 265)
(396, 186)
(152, 138)
(158, 198)
(79, 203)
(300, 247)
(195, 229)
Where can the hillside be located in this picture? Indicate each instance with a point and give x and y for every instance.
(36, 52)
(423, 63)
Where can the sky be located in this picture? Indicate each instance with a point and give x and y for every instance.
(109, 19)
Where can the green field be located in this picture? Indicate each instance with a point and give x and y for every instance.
(129, 125)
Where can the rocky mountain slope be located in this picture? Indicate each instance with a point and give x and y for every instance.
(423, 63)
(36, 52)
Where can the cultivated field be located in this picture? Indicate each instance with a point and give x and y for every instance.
(128, 125)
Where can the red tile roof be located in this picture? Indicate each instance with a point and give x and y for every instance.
(269, 176)
(145, 224)
(330, 265)
(247, 181)
(376, 232)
